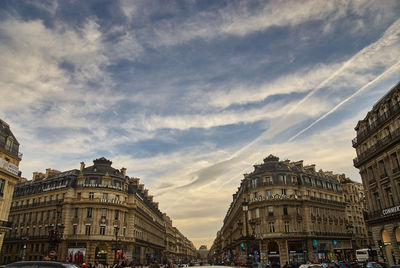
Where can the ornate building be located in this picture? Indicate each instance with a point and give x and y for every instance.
(9, 174)
(377, 146)
(96, 213)
(355, 209)
(285, 212)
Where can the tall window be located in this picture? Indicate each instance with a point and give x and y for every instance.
(395, 162)
(74, 229)
(390, 196)
(91, 195)
(2, 185)
(76, 212)
(102, 230)
(116, 215)
(270, 211)
(269, 193)
(254, 183)
(88, 212)
(299, 226)
(105, 195)
(271, 227)
(378, 201)
(382, 168)
(268, 180)
(285, 210)
(287, 227)
(87, 230)
(103, 212)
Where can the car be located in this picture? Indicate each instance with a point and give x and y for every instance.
(373, 265)
(328, 264)
(395, 266)
(384, 264)
(311, 265)
(40, 264)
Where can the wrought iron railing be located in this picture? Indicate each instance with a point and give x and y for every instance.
(393, 109)
(377, 146)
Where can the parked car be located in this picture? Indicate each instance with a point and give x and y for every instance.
(40, 264)
(384, 264)
(328, 264)
(373, 265)
(311, 265)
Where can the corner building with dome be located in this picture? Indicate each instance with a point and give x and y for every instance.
(95, 213)
(285, 212)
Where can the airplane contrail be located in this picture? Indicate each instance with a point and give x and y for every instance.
(379, 77)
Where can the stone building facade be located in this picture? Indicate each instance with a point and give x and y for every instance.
(354, 196)
(378, 147)
(285, 212)
(9, 175)
(94, 213)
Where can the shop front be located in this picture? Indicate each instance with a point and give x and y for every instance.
(297, 252)
(76, 254)
(101, 254)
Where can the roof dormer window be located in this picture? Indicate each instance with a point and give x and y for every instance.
(9, 143)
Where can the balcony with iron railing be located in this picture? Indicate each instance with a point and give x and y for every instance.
(6, 224)
(37, 204)
(361, 136)
(11, 150)
(377, 147)
(327, 201)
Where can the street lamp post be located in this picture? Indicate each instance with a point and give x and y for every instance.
(350, 229)
(116, 229)
(245, 206)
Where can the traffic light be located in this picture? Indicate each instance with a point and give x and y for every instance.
(242, 245)
(53, 235)
(380, 244)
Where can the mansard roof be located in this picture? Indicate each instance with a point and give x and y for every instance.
(6, 131)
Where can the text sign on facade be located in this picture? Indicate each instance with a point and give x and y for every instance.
(390, 210)
(9, 167)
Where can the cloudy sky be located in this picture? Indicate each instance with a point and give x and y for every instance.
(188, 95)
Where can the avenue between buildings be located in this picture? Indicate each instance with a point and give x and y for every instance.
(283, 212)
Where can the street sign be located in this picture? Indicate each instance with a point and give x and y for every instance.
(52, 254)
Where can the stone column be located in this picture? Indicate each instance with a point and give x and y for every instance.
(310, 251)
(283, 251)
(391, 229)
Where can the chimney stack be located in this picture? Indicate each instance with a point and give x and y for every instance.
(82, 166)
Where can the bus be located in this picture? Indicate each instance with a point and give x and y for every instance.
(362, 255)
